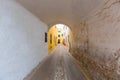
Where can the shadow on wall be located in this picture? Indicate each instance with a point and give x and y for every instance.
(107, 70)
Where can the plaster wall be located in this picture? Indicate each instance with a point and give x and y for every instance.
(97, 42)
(52, 38)
(104, 35)
(80, 38)
(68, 12)
(22, 45)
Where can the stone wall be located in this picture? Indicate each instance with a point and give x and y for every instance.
(80, 37)
(103, 39)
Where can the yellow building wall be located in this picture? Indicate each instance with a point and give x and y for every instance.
(52, 31)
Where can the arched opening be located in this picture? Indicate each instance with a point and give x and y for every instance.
(59, 34)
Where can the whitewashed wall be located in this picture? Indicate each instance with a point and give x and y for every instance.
(22, 44)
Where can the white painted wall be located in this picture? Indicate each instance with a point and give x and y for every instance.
(22, 44)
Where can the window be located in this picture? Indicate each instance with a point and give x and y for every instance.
(59, 35)
(50, 38)
(62, 35)
(45, 37)
(58, 41)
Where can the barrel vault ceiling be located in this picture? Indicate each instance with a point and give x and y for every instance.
(61, 11)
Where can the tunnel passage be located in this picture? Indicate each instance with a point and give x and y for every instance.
(59, 34)
(96, 37)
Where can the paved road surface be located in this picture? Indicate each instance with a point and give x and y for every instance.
(57, 66)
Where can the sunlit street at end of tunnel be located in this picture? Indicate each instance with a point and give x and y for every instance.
(59, 34)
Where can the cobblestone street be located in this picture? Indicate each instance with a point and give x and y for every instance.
(57, 66)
